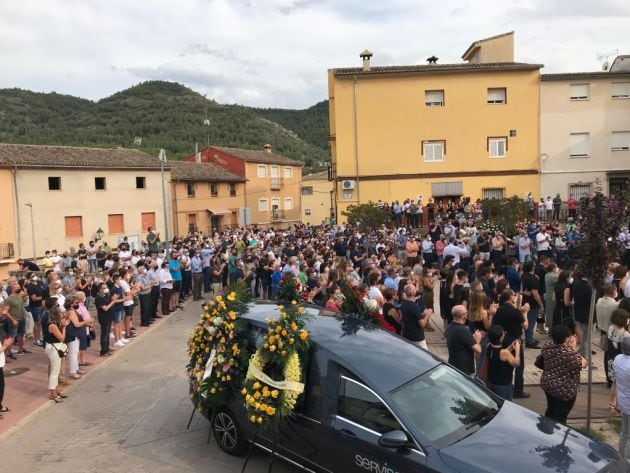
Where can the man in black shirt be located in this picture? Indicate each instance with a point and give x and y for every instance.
(36, 293)
(462, 344)
(414, 317)
(104, 303)
(531, 296)
(513, 322)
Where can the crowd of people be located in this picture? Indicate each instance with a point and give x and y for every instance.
(495, 292)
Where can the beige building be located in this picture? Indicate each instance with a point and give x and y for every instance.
(8, 225)
(272, 190)
(65, 195)
(206, 197)
(317, 198)
(585, 132)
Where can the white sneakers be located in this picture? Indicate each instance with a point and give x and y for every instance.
(119, 344)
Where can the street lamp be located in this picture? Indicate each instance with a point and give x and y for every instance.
(162, 157)
(99, 234)
(30, 206)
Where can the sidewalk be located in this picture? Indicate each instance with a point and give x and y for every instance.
(26, 379)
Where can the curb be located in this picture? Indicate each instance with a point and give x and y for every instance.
(47, 404)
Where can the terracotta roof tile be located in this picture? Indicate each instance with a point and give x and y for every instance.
(75, 157)
(206, 172)
(585, 75)
(254, 156)
(438, 68)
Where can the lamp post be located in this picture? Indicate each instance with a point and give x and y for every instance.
(162, 158)
(30, 206)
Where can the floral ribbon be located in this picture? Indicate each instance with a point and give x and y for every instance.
(282, 385)
(208, 371)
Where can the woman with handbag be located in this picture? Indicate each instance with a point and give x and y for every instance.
(89, 335)
(55, 348)
(501, 362)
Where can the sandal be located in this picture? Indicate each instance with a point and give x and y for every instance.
(57, 399)
(5, 409)
(62, 395)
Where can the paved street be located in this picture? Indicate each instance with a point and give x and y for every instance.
(129, 415)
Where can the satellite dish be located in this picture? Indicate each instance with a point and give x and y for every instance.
(206, 122)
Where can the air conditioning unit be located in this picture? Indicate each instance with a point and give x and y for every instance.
(348, 184)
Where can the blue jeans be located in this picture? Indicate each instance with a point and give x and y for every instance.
(502, 390)
(532, 317)
(93, 265)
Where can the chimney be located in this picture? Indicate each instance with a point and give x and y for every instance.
(366, 56)
(267, 148)
(197, 154)
(432, 60)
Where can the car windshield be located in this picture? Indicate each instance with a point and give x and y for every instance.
(444, 406)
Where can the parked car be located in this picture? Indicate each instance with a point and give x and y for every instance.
(375, 403)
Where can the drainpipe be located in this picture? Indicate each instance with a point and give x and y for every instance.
(175, 213)
(16, 203)
(356, 134)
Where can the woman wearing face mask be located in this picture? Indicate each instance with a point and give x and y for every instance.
(53, 335)
(562, 296)
(55, 290)
(74, 331)
(118, 311)
(84, 335)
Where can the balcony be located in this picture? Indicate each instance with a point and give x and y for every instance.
(6, 251)
(290, 215)
(276, 183)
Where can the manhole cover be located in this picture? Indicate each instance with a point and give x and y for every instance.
(15, 371)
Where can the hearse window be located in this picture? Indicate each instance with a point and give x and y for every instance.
(358, 404)
(309, 402)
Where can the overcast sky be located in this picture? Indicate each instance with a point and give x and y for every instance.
(275, 53)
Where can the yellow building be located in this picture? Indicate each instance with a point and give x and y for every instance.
(64, 195)
(206, 197)
(441, 131)
(317, 198)
(8, 224)
(272, 190)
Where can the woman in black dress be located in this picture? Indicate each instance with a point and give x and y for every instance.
(562, 294)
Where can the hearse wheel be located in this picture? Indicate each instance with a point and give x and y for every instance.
(228, 432)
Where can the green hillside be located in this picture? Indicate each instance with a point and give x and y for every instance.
(165, 115)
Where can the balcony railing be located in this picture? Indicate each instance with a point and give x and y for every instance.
(6, 251)
(276, 183)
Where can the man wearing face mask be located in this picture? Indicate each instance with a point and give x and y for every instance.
(36, 292)
(104, 307)
(145, 283)
(152, 240)
(69, 282)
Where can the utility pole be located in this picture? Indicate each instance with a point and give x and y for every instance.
(30, 206)
(206, 122)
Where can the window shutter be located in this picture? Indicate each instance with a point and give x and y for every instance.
(441, 189)
(434, 98)
(621, 90)
(579, 91)
(496, 193)
(579, 190)
(620, 140)
(494, 148)
(496, 95)
(579, 144)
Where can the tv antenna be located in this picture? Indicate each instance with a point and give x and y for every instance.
(604, 57)
(206, 122)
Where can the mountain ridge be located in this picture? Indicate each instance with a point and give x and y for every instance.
(165, 115)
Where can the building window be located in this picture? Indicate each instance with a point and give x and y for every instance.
(262, 170)
(232, 190)
(307, 190)
(288, 173)
(433, 151)
(620, 140)
(214, 189)
(497, 95)
(147, 220)
(141, 182)
(288, 203)
(493, 193)
(115, 223)
(275, 171)
(579, 145)
(54, 183)
(74, 226)
(579, 190)
(621, 90)
(307, 212)
(275, 208)
(99, 183)
(263, 205)
(580, 91)
(190, 189)
(434, 98)
(497, 147)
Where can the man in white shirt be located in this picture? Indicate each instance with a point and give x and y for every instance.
(124, 256)
(549, 207)
(621, 366)
(543, 243)
(455, 251)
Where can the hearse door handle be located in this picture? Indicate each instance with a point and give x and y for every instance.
(347, 434)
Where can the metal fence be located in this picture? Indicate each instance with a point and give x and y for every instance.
(6, 251)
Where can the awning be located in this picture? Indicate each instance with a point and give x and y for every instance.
(446, 189)
(220, 211)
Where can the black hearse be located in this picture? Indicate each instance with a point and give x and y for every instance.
(376, 403)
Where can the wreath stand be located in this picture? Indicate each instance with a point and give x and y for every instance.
(251, 449)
